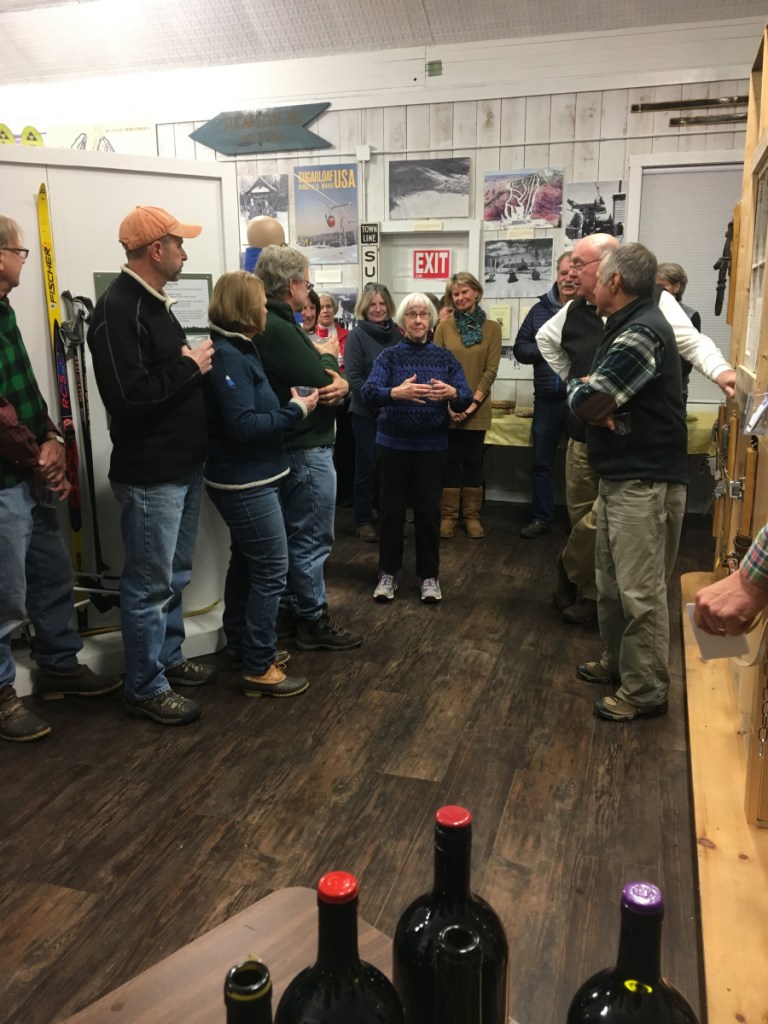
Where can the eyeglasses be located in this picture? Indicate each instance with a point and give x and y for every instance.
(309, 285)
(417, 314)
(578, 265)
(21, 253)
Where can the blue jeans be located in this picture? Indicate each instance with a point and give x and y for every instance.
(308, 497)
(365, 467)
(548, 428)
(37, 576)
(257, 571)
(159, 526)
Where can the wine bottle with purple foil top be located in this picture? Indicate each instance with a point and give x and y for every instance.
(339, 988)
(450, 902)
(248, 993)
(459, 969)
(633, 992)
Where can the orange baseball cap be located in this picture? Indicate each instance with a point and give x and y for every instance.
(145, 224)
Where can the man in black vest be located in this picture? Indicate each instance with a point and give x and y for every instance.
(568, 342)
(637, 444)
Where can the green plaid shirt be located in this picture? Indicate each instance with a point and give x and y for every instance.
(24, 418)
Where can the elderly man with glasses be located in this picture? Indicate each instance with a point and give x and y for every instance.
(569, 342)
(37, 577)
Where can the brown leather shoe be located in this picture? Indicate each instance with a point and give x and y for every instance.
(581, 613)
(274, 683)
(80, 681)
(17, 723)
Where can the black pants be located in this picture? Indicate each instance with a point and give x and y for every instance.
(465, 458)
(414, 478)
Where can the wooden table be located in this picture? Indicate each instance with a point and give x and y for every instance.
(188, 986)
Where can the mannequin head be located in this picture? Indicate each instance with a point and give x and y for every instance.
(264, 231)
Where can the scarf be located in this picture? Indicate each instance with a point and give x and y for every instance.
(470, 326)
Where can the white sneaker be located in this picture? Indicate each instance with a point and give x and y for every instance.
(385, 588)
(430, 591)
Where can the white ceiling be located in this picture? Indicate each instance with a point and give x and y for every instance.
(54, 40)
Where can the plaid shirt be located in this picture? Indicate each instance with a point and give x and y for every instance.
(632, 361)
(755, 562)
(24, 418)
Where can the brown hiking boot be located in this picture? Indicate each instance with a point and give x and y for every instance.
(17, 724)
(581, 613)
(80, 681)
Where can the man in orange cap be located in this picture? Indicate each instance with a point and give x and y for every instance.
(150, 381)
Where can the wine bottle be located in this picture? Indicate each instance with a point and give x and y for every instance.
(633, 992)
(339, 988)
(449, 902)
(248, 993)
(459, 967)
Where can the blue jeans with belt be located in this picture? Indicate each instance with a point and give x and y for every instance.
(159, 527)
(37, 578)
(308, 498)
(257, 571)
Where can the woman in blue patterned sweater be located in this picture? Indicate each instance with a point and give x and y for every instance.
(411, 385)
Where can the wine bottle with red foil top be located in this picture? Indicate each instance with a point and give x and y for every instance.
(459, 968)
(339, 988)
(451, 902)
(633, 992)
(248, 993)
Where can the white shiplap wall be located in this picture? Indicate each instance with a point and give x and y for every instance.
(591, 134)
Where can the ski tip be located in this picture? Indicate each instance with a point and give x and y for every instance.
(42, 192)
(31, 136)
(7, 137)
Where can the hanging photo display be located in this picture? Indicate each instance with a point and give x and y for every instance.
(325, 212)
(531, 199)
(595, 206)
(515, 268)
(261, 195)
(424, 189)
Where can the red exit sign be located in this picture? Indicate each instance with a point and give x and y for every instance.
(432, 263)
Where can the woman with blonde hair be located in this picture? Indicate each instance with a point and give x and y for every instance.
(245, 464)
(476, 342)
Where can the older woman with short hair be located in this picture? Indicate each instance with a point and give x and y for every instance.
(413, 385)
(245, 465)
(476, 342)
(375, 331)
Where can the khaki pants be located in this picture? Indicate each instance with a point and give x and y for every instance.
(638, 532)
(581, 495)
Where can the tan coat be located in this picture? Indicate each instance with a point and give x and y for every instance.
(480, 364)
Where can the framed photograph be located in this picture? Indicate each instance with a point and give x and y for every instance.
(532, 199)
(261, 195)
(594, 207)
(425, 189)
(516, 268)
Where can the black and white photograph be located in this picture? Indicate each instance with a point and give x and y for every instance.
(421, 189)
(594, 207)
(347, 300)
(518, 268)
(261, 195)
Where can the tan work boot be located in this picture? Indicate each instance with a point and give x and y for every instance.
(473, 499)
(449, 511)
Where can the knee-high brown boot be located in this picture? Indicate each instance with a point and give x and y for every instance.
(473, 500)
(449, 511)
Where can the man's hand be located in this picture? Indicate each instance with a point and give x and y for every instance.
(726, 381)
(202, 354)
(730, 605)
(334, 393)
(329, 347)
(52, 463)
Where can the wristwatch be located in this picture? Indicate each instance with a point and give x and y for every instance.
(52, 436)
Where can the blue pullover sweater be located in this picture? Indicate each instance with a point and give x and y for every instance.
(406, 425)
(546, 383)
(245, 418)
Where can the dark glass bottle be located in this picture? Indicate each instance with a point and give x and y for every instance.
(339, 988)
(458, 974)
(449, 902)
(248, 993)
(633, 992)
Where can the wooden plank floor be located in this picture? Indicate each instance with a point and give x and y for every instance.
(122, 841)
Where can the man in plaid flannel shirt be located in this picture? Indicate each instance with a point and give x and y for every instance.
(732, 604)
(36, 570)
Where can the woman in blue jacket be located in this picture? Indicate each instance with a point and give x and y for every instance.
(246, 461)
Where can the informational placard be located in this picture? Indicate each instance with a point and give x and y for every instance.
(432, 264)
(192, 293)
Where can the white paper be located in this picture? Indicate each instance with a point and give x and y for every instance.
(713, 647)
